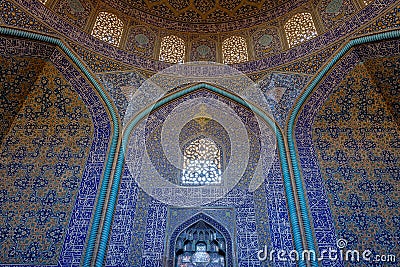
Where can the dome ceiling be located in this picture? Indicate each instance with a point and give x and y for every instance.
(199, 15)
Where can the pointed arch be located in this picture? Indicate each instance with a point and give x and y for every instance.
(193, 220)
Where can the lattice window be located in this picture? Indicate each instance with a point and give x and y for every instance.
(201, 163)
(234, 50)
(43, 1)
(300, 28)
(172, 49)
(108, 27)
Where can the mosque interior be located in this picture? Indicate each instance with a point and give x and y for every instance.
(199, 133)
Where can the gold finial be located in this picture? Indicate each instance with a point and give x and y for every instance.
(202, 117)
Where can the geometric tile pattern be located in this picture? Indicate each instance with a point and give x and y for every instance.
(17, 77)
(98, 63)
(335, 156)
(280, 91)
(203, 50)
(266, 42)
(75, 11)
(11, 14)
(337, 34)
(121, 86)
(79, 224)
(334, 12)
(42, 161)
(194, 15)
(64, 229)
(141, 40)
(273, 227)
(356, 139)
(126, 230)
(390, 20)
(312, 63)
(264, 210)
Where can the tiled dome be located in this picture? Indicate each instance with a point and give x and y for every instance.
(204, 15)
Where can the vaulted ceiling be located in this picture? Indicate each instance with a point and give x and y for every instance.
(184, 13)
